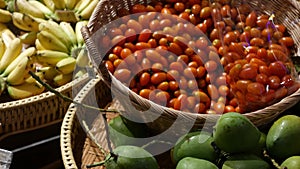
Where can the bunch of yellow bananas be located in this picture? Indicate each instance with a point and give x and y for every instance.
(15, 64)
(46, 39)
(60, 49)
(58, 10)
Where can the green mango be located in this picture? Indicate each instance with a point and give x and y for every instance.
(124, 132)
(195, 144)
(283, 138)
(195, 163)
(245, 161)
(291, 163)
(235, 133)
(131, 157)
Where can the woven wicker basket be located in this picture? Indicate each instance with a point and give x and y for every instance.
(107, 11)
(77, 147)
(37, 111)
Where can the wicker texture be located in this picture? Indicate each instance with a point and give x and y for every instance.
(37, 111)
(107, 10)
(78, 141)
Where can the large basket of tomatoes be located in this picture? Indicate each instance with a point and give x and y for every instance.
(194, 60)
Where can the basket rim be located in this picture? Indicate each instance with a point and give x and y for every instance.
(66, 138)
(44, 95)
(68, 122)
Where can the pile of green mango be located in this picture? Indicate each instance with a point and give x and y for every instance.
(234, 143)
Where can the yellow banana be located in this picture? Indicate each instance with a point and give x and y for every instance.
(62, 79)
(25, 7)
(25, 22)
(88, 10)
(29, 52)
(38, 45)
(47, 11)
(59, 4)
(7, 36)
(50, 4)
(70, 4)
(25, 90)
(66, 66)
(5, 16)
(2, 4)
(69, 31)
(28, 37)
(17, 75)
(50, 57)
(2, 27)
(49, 72)
(51, 42)
(2, 85)
(30, 79)
(81, 4)
(2, 48)
(11, 52)
(78, 27)
(79, 73)
(54, 29)
(82, 59)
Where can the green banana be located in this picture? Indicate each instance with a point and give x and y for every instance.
(62, 79)
(11, 52)
(5, 16)
(28, 37)
(69, 31)
(25, 22)
(25, 90)
(47, 11)
(50, 4)
(57, 31)
(50, 57)
(25, 7)
(88, 10)
(29, 52)
(17, 75)
(66, 66)
(51, 42)
(82, 59)
(79, 36)
(70, 4)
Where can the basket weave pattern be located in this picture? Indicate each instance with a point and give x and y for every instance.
(37, 111)
(78, 141)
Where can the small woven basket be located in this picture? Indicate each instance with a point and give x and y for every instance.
(107, 10)
(37, 111)
(83, 141)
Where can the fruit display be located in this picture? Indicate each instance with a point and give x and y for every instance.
(201, 57)
(266, 148)
(43, 37)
